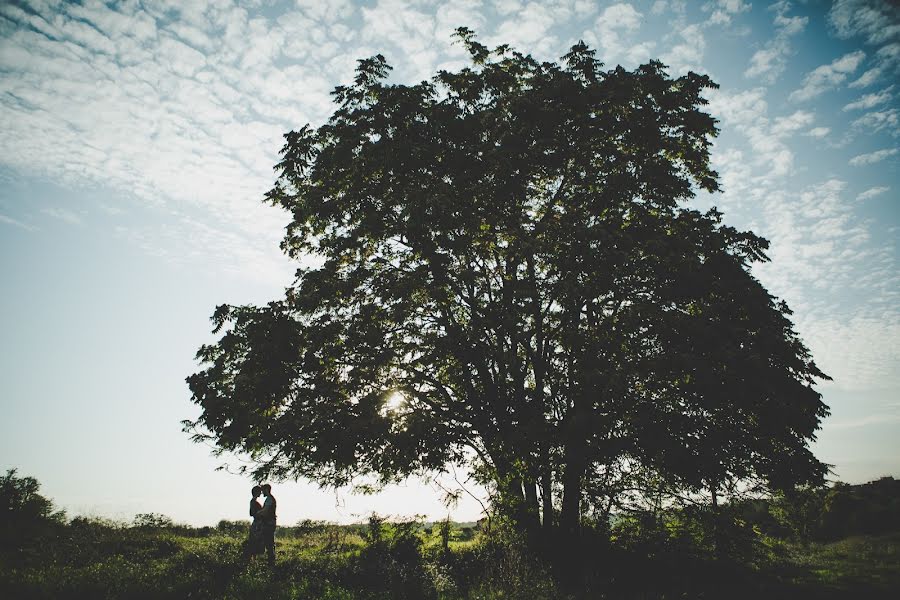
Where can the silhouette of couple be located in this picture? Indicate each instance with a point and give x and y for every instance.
(262, 530)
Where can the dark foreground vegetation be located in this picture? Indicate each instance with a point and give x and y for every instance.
(840, 542)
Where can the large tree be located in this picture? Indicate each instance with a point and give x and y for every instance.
(507, 247)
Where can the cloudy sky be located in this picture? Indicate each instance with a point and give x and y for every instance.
(137, 139)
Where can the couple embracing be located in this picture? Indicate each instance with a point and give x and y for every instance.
(262, 530)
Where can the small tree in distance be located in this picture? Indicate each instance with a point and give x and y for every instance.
(152, 521)
(505, 247)
(24, 512)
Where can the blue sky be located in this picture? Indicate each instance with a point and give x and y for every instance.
(137, 139)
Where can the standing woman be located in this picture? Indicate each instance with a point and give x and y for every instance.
(255, 543)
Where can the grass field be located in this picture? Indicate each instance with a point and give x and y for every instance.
(856, 567)
(87, 559)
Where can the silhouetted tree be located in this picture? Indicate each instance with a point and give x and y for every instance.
(152, 521)
(24, 512)
(505, 246)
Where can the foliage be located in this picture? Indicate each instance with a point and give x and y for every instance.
(21, 503)
(95, 560)
(233, 527)
(24, 512)
(505, 248)
(152, 521)
(701, 532)
(667, 553)
(392, 560)
(847, 563)
(836, 512)
(652, 554)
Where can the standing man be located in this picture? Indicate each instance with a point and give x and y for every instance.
(268, 518)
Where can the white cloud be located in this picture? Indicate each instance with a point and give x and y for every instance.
(873, 157)
(15, 223)
(613, 31)
(867, 421)
(640, 53)
(688, 54)
(787, 25)
(451, 15)
(180, 106)
(184, 240)
(63, 214)
(399, 24)
(860, 352)
(875, 20)
(156, 120)
(842, 287)
(179, 57)
(529, 29)
(872, 192)
(193, 108)
(329, 12)
(84, 35)
(889, 54)
(191, 35)
(137, 25)
(741, 109)
(871, 100)
(724, 10)
(887, 63)
(422, 32)
(619, 16)
(747, 113)
(867, 78)
(507, 7)
(770, 61)
(736, 174)
(875, 121)
(828, 76)
(792, 123)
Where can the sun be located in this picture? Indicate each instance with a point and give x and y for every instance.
(395, 401)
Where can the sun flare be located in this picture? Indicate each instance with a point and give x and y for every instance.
(395, 401)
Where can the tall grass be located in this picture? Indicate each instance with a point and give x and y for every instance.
(408, 560)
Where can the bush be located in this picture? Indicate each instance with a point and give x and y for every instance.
(233, 527)
(152, 521)
(392, 561)
(26, 517)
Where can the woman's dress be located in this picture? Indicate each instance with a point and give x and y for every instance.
(255, 542)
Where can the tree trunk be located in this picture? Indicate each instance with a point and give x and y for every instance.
(570, 516)
(547, 499)
(531, 514)
(717, 531)
(512, 499)
(575, 464)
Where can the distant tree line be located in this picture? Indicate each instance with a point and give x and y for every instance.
(823, 514)
(829, 513)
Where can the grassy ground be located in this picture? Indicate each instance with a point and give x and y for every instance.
(856, 567)
(94, 561)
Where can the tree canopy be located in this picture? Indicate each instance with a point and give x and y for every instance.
(507, 248)
(24, 512)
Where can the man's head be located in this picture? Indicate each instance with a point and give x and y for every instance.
(256, 491)
(266, 489)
